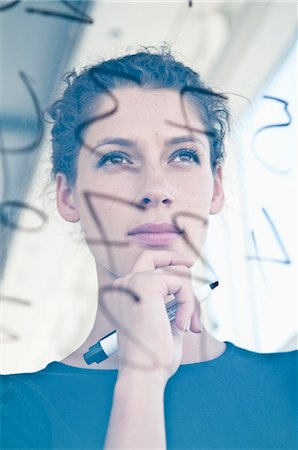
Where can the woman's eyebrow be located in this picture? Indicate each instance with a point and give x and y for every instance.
(130, 143)
(115, 141)
(183, 139)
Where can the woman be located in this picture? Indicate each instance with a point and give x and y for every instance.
(138, 148)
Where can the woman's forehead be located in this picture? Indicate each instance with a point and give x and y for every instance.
(151, 100)
(137, 110)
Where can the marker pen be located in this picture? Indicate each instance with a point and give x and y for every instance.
(107, 345)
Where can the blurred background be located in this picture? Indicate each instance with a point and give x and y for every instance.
(247, 50)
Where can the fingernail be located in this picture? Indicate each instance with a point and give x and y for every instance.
(187, 325)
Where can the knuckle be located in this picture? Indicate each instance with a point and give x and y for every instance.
(184, 268)
(181, 270)
(135, 281)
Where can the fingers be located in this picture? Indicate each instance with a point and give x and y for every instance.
(174, 277)
(150, 260)
(178, 283)
(195, 322)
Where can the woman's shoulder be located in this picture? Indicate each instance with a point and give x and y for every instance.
(17, 386)
(270, 365)
(290, 356)
(23, 404)
(274, 357)
(23, 384)
(53, 379)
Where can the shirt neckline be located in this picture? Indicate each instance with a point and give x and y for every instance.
(65, 368)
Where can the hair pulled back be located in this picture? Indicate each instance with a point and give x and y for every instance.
(149, 69)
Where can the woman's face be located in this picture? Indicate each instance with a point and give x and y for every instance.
(140, 166)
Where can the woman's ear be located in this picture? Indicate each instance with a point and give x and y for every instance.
(65, 199)
(218, 196)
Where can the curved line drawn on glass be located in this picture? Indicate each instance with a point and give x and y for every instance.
(261, 268)
(107, 243)
(269, 126)
(5, 169)
(18, 301)
(204, 222)
(78, 15)
(189, 128)
(5, 219)
(6, 205)
(9, 5)
(39, 119)
(82, 126)
(94, 73)
(191, 89)
(257, 257)
(11, 335)
(127, 332)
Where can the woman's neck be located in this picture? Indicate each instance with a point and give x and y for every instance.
(196, 347)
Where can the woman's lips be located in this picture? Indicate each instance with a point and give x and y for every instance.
(155, 234)
(155, 239)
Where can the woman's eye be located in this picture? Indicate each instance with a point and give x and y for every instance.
(112, 159)
(187, 155)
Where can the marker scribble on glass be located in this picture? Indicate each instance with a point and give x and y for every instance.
(10, 334)
(94, 74)
(108, 243)
(203, 221)
(286, 259)
(213, 136)
(7, 219)
(258, 259)
(286, 123)
(95, 215)
(9, 5)
(39, 120)
(10, 208)
(194, 90)
(78, 15)
(19, 301)
(5, 168)
(127, 332)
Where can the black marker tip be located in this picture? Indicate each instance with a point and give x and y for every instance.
(213, 285)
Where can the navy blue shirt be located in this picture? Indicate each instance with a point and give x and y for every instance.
(239, 400)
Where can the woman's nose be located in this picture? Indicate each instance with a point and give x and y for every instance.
(154, 192)
(155, 199)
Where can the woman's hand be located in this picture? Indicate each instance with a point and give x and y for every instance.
(147, 340)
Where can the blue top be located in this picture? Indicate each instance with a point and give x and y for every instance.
(239, 400)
